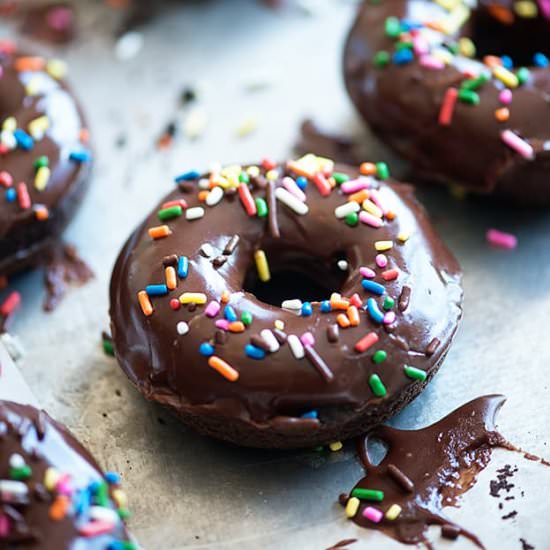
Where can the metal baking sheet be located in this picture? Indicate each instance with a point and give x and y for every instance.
(191, 492)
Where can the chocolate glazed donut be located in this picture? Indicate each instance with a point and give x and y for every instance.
(53, 494)
(414, 74)
(197, 319)
(44, 159)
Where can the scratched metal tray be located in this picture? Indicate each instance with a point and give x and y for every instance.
(191, 492)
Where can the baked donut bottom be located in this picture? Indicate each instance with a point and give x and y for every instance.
(351, 323)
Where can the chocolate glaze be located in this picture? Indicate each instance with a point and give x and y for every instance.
(441, 462)
(24, 240)
(43, 444)
(264, 406)
(401, 103)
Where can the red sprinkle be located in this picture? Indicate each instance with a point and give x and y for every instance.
(179, 202)
(10, 304)
(5, 179)
(175, 304)
(23, 195)
(356, 301)
(322, 184)
(269, 164)
(390, 275)
(366, 342)
(246, 198)
(448, 107)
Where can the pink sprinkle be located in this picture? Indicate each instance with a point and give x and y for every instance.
(367, 272)
(292, 187)
(369, 219)
(96, 528)
(389, 318)
(4, 526)
(519, 145)
(499, 239)
(353, 186)
(373, 514)
(381, 260)
(222, 324)
(59, 18)
(545, 8)
(212, 309)
(307, 339)
(505, 97)
(375, 198)
(420, 45)
(63, 486)
(431, 62)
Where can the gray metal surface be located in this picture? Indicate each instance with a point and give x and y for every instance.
(191, 492)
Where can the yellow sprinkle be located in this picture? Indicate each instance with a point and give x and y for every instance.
(335, 296)
(352, 506)
(456, 19)
(393, 512)
(448, 5)
(10, 124)
(404, 236)
(507, 77)
(382, 246)
(335, 446)
(272, 175)
(51, 477)
(443, 55)
(248, 126)
(262, 266)
(466, 47)
(193, 298)
(279, 324)
(42, 178)
(120, 498)
(371, 208)
(526, 9)
(56, 68)
(38, 126)
(33, 87)
(253, 171)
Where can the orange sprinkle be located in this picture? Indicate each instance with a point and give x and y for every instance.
(84, 135)
(353, 316)
(226, 370)
(434, 25)
(159, 232)
(502, 114)
(226, 296)
(339, 303)
(41, 213)
(145, 303)
(59, 507)
(29, 64)
(492, 61)
(332, 182)
(360, 196)
(171, 279)
(299, 169)
(391, 215)
(236, 326)
(342, 320)
(203, 194)
(368, 169)
(502, 14)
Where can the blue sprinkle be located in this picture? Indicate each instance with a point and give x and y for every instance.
(301, 182)
(94, 486)
(230, 314)
(374, 311)
(310, 414)
(307, 310)
(408, 25)
(156, 290)
(254, 352)
(112, 478)
(325, 306)
(375, 288)
(206, 349)
(11, 194)
(81, 502)
(507, 62)
(402, 57)
(80, 156)
(540, 60)
(188, 176)
(24, 141)
(183, 267)
(116, 545)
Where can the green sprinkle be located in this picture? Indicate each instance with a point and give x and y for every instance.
(453, 47)
(108, 348)
(403, 46)
(21, 474)
(340, 178)
(468, 96)
(523, 75)
(474, 83)
(171, 212)
(382, 170)
(382, 58)
(261, 207)
(123, 513)
(380, 356)
(377, 386)
(389, 302)
(41, 162)
(127, 545)
(392, 26)
(246, 318)
(414, 373)
(243, 177)
(352, 219)
(102, 495)
(368, 494)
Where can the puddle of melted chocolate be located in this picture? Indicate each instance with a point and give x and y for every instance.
(426, 470)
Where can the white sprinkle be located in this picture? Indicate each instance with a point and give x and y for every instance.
(270, 340)
(9, 487)
(215, 196)
(204, 183)
(343, 265)
(195, 123)
(182, 327)
(344, 209)
(207, 250)
(17, 461)
(248, 126)
(194, 213)
(296, 346)
(128, 45)
(291, 201)
(13, 346)
(8, 139)
(292, 304)
(101, 513)
(292, 187)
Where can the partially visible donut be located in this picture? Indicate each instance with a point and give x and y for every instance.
(421, 75)
(53, 494)
(191, 334)
(44, 156)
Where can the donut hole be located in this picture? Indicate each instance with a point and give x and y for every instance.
(377, 450)
(520, 40)
(297, 276)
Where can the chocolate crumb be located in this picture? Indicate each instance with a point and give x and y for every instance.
(449, 531)
(511, 515)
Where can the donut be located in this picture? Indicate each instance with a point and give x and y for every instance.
(53, 494)
(284, 305)
(44, 157)
(432, 80)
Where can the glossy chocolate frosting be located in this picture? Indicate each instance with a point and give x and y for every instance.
(265, 406)
(402, 102)
(32, 88)
(44, 469)
(428, 469)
